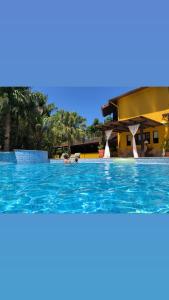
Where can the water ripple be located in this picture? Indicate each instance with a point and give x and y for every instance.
(84, 188)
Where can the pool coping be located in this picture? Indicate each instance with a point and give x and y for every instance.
(140, 160)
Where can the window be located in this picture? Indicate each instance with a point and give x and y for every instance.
(128, 140)
(138, 139)
(155, 137)
(146, 137)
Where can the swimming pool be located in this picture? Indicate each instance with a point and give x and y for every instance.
(84, 188)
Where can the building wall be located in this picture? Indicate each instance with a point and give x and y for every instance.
(148, 101)
(151, 103)
(89, 155)
(157, 148)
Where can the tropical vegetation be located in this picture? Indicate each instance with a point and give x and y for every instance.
(64, 126)
(28, 121)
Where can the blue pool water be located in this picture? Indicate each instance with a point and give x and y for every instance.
(84, 188)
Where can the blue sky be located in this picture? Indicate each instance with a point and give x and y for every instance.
(86, 101)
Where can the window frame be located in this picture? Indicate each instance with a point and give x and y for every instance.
(156, 139)
(146, 137)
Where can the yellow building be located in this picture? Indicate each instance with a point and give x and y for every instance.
(149, 103)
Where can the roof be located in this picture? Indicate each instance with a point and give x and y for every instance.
(165, 117)
(95, 141)
(86, 142)
(79, 143)
(122, 126)
(109, 108)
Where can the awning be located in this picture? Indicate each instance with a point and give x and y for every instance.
(122, 126)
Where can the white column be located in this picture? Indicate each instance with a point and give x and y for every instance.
(107, 150)
(133, 129)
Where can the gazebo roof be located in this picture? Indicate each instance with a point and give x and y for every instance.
(122, 126)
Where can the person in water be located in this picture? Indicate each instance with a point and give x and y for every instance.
(76, 159)
(66, 159)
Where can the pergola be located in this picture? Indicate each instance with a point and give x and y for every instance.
(123, 126)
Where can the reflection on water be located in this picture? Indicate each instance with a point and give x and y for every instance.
(107, 171)
(84, 188)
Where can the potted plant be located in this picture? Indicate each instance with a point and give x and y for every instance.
(101, 150)
(166, 146)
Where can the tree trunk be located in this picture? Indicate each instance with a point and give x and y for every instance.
(7, 132)
(69, 147)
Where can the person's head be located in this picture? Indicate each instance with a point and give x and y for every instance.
(66, 156)
(76, 159)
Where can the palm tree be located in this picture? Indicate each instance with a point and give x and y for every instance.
(68, 127)
(93, 130)
(39, 114)
(12, 101)
(22, 112)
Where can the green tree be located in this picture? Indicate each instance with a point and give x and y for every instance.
(93, 130)
(22, 114)
(12, 103)
(67, 127)
(108, 119)
(38, 114)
